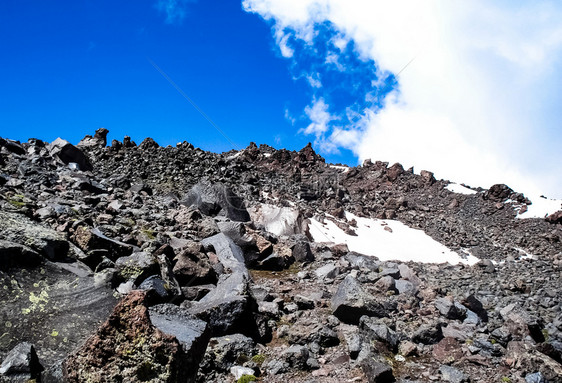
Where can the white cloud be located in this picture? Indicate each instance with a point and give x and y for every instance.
(175, 10)
(479, 103)
(319, 116)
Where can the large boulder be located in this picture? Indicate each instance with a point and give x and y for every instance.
(16, 255)
(498, 193)
(99, 139)
(67, 153)
(128, 348)
(55, 306)
(21, 364)
(193, 334)
(19, 229)
(89, 239)
(227, 307)
(351, 301)
(216, 200)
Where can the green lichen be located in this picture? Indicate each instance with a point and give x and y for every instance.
(546, 335)
(148, 233)
(505, 379)
(246, 379)
(258, 359)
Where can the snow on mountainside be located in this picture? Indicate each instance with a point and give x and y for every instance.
(388, 240)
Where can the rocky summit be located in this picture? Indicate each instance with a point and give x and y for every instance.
(141, 263)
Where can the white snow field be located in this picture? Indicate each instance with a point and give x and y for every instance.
(541, 207)
(459, 189)
(388, 240)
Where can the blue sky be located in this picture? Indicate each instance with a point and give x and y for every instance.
(71, 68)
(467, 89)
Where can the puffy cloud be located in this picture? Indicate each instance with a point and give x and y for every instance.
(474, 92)
(175, 10)
(319, 118)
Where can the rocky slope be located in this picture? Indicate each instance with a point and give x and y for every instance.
(143, 263)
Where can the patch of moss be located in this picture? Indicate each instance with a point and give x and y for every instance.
(505, 379)
(258, 359)
(246, 379)
(148, 233)
(546, 335)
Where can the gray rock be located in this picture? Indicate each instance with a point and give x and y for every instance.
(227, 307)
(450, 308)
(237, 232)
(354, 342)
(156, 291)
(372, 329)
(276, 367)
(358, 261)
(376, 371)
(19, 229)
(351, 302)
(302, 253)
(137, 267)
(296, 356)
(226, 351)
(452, 374)
(68, 153)
(428, 334)
(21, 364)
(229, 254)
(216, 199)
(57, 306)
(405, 287)
(193, 334)
(328, 271)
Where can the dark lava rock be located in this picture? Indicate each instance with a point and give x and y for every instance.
(19, 229)
(302, 253)
(55, 305)
(193, 334)
(128, 348)
(216, 200)
(498, 192)
(223, 352)
(16, 255)
(554, 218)
(21, 364)
(351, 302)
(137, 267)
(376, 371)
(68, 153)
(450, 308)
(373, 330)
(93, 239)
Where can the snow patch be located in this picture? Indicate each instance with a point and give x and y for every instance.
(388, 240)
(540, 207)
(459, 189)
(230, 158)
(277, 220)
(344, 169)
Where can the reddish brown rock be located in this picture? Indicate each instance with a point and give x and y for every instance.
(127, 347)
